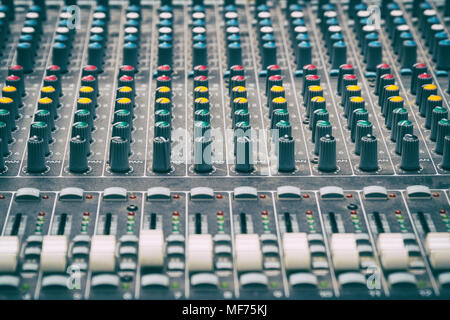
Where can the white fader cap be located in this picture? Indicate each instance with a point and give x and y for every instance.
(200, 252)
(9, 250)
(102, 256)
(393, 253)
(248, 252)
(54, 254)
(296, 251)
(151, 248)
(344, 251)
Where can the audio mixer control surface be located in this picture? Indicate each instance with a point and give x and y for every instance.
(224, 149)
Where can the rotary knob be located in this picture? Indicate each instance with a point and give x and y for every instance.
(410, 153)
(118, 155)
(327, 154)
(36, 155)
(369, 153)
(78, 162)
(286, 154)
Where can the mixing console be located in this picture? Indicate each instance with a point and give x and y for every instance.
(224, 149)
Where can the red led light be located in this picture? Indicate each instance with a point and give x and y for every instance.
(176, 213)
(86, 213)
(306, 196)
(220, 213)
(131, 213)
(176, 196)
(436, 195)
(42, 213)
(263, 196)
(219, 196)
(2, 196)
(45, 197)
(265, 212)
(442, 211)
(309, 212)
(398, 211)
(392, 195)
(132, 196)
(353, 212)
(89, 196)
(349, 195)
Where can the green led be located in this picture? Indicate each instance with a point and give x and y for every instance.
(354, 217)
(175, 218)
(126, 286)
(399, 217)
(309, 217)
(265, 218)
(224, 285)
(26, 286)
(323, 284)
(220, 218)
(444, 216)
(422, 284)
(130, 218)
(40, 218)
(175, 285)
(311, 222)
(85, 218)
(274, 284)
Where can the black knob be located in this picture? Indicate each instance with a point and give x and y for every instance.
(14, 95)
(244, 154)
(202, 115)
(165, 54)
(403, 127)
(163, 103)
(163, 129)
(443, 130)
(48, 105)
(164, 81)
(322, 128)
(60, 56)
(269, 54)
(393, 103)
(200, 70)
(237, 81)
(369, 153)
(363, 128)
(14, 81)
(160, 115)
(164, 70)
(373, 55)
(445, 164)
(83, 130)
(201, 81)
(202, 155)
(286, 154)
(424, 92)
(202, 129)
(408, 53)
(8, 105)
(123, 130)
(437, 114)
(51, 93)
(83, 115)
(327, 154)
(87, 104)
(318, 115)
(4, 137)
(45, 116)
(118, 154)
(410, 153)
(343, 70)
(200, 54)
(443, 52)
(304, 54)
(36, 155)
(418, 68)
(312, 91)
(338, 55)
(381, 70)
(17, 70)
(354, 103)
(5, 117)
(25, 56)
(202, 104)
(398, 115)
(234, 54)
(78, 155)
(310, 80)
(316, 103)
(40, 129)
(432, 102)
(357, 115)
(277, 103)
(53, 81)
(130, 54)
(161, 155)
(241, 115)
(422, 79)
(351, 99)
(89, 92)
(387, 92)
